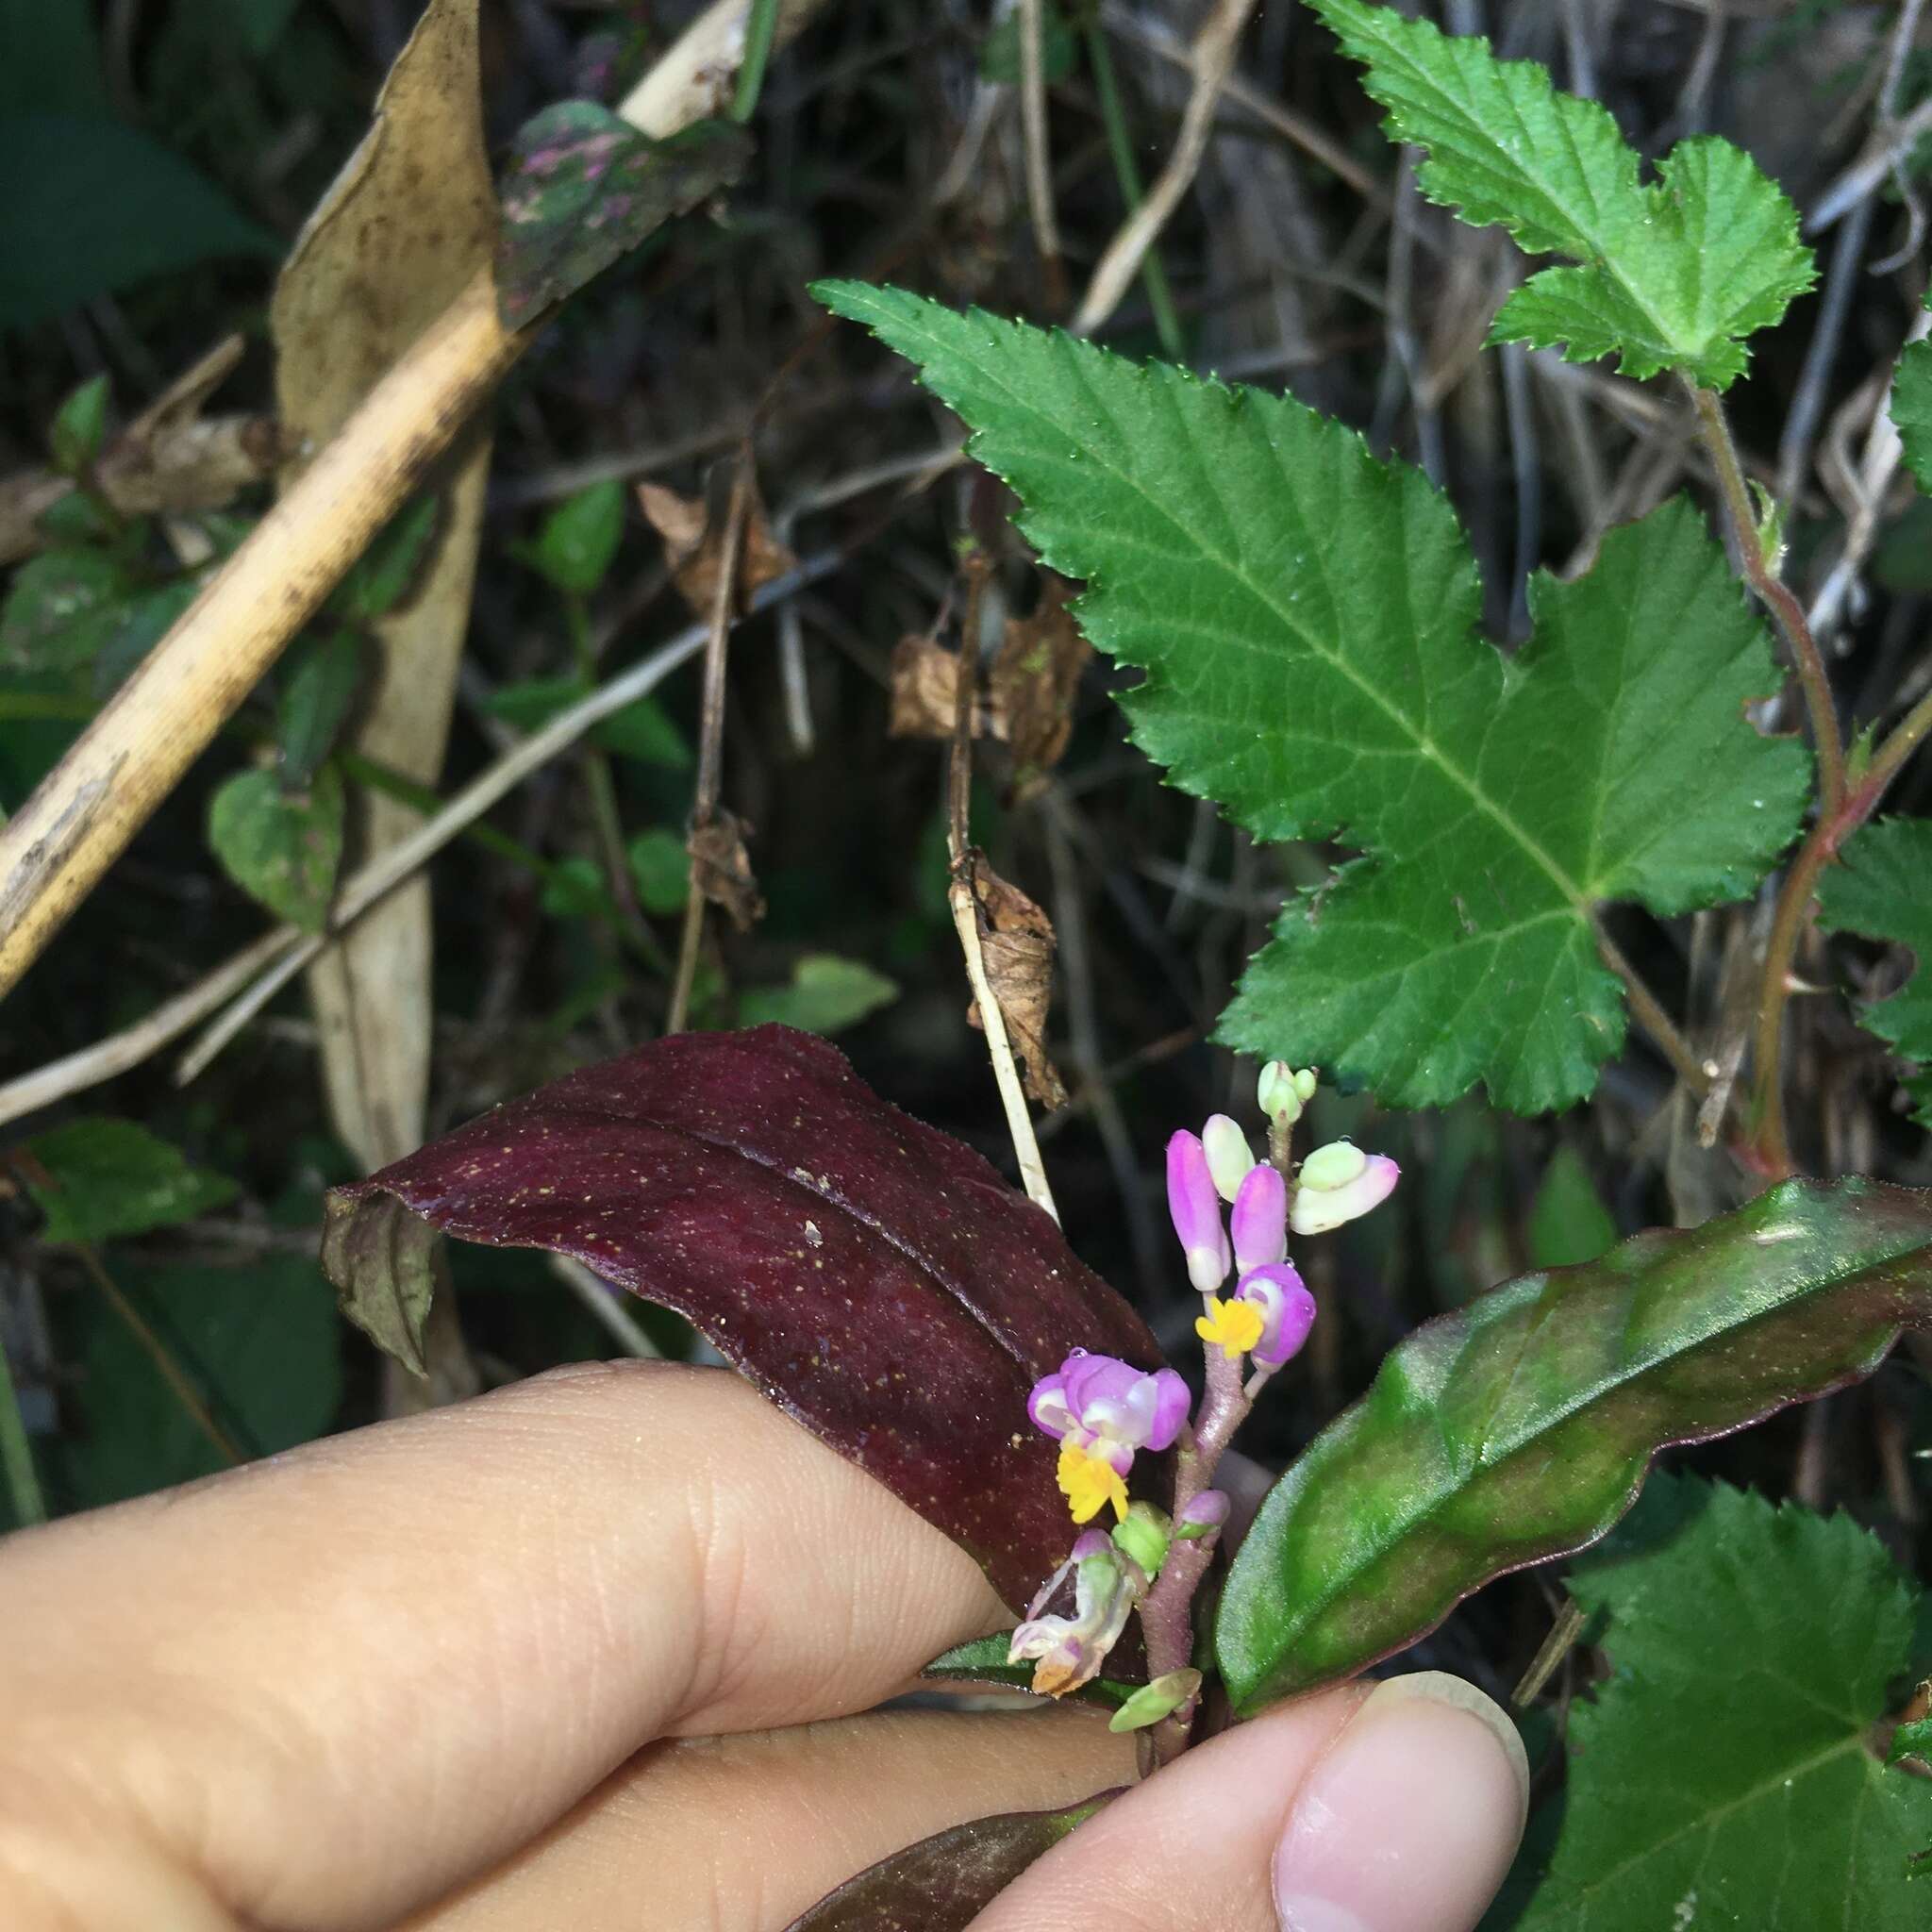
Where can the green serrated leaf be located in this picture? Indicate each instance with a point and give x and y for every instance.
(1521, 1426)
(826, 995)
(1727, 1775)
(106, 1178)
(386, 572)
(944, 1882)
(61, 607)
(315, 701)
(584, 187)
(1883, 889)
(1911, 409)
(984, 1661)
(281, 848)
(1305, 615)
(80, 427)
(1674, 273)
(578, 541)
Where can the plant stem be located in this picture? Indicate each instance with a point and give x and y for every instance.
(1167, 1616)
(1120, 141)
(710, 735)
(1694, 1073)
(1714, 431)
(760, 32)
(17, 1453)
(1771, 1144)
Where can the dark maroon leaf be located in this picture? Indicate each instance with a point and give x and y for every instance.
(944, 1882)
(878, 1280)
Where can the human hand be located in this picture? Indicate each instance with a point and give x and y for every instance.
(588, 1652)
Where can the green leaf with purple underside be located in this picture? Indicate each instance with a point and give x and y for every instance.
(876, 1279)
(584, 187)
(1521, 1427)
(944, 1882)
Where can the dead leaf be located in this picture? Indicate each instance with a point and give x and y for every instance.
(926, 690)
(693, 528)
(1016, 943)
(408, 223)
(170, 459)
(1033, 682)
(721, 869)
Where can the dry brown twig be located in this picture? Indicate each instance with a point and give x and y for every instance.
(54, 851)
(1213, 58)
(1040, 201)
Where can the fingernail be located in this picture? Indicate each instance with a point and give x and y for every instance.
(1410, 1820)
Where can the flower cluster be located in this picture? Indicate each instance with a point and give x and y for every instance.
(1104, 1412)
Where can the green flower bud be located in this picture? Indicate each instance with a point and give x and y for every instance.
(1333, 1166)
(1154, 1701)
(1144, 1535)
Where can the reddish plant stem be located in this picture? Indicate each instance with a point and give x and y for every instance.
(1771, 1147)
(1167, 1616)
(1714, 432)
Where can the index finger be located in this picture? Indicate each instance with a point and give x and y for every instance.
(331, 1686)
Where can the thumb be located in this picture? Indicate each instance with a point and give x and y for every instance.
(1390, 1809)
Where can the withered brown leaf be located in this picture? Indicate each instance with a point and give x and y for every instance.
(721, 869)
(1016, 942)
(693, 528)
(1033, 681)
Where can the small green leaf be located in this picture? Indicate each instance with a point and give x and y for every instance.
(584, 187)
(80, 427)
(1912, 1740)
(1521, 1426)
(578, 541)
(1883, 889)
(315, 699)
(136, 628)
(61, 607)
(1726, 1774)
(943, 1883)
(1306, 617)
(110, 1177)
(1675, 272)
(573, 889)
(826, 995)
(1569, 1222)
(661, 867)
(984, 1661)
(643, 730)
(388, 1267)
(386, 572)
(281, 849)
(999, 54)
(1911, 409)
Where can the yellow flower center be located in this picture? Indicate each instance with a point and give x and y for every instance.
(1087, 1481)
(1233, 1326)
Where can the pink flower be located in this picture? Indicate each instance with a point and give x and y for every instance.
(1194, 1203)
(1338, 1184)
(1286, 1310)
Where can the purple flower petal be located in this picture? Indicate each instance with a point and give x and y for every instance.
(1194, 1205)
(1288, 1310)
(1047, 1407)
(1172, 1403)
(1260, 1220)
